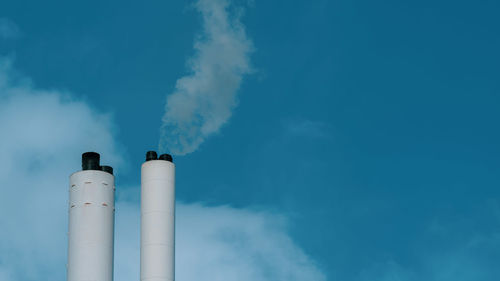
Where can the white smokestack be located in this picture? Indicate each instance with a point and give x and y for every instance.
(91, 221)
(157, 218)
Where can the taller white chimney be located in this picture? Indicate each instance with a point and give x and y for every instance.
(157, 218)
(91, 221)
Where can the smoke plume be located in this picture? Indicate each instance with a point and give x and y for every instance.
(203, 101)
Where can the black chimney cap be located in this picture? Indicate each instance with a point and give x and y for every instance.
(107, 169)
(166, 157)
(151, 155)
(90, 161)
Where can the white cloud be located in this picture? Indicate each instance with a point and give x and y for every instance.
(234, 244)
(42, 136)
(220, 244)
(8, 29)
(204, 100)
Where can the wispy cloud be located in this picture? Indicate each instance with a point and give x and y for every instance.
(307, 128)
(8, 29)
(474, 257)
(387, 271)
(203, 101)
(43, 133)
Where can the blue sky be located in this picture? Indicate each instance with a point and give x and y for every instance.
(370, 129)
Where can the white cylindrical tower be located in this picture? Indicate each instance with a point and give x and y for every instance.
(91, 221)
(157, 218)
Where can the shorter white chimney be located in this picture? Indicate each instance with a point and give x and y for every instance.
(91, 221)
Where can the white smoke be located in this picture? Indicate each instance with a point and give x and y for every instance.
(204, 100)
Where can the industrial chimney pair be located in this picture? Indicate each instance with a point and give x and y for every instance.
(91, 220)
